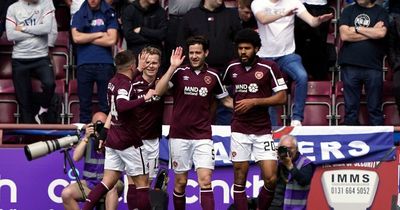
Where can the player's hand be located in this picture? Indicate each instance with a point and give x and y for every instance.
(244, 105)
(176, 57)
(19, 27)
(324, 18)
(149, 94)
(286, 161)
(101, 147)
(142, 61)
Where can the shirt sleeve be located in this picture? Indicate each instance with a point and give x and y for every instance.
(219, 89)
(258, 6)
(112, 22)
(300, 7)
(11, 23)
(277, 81)
(345, 17)
(45, 23)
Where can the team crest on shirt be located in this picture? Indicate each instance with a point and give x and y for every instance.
(175, 164)
(258, 74)
(234, 154)
(207, 80)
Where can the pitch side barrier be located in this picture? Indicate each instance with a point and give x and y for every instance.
(358, 168)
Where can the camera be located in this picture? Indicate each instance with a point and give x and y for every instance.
(283, 151)
(98, 126)
(42, 148)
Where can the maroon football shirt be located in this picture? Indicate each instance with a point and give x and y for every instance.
(123, 102)
(257, 81)
(150, 115)
(193, 92)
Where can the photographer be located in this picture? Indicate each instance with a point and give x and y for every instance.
(93, 167)
(295, 172)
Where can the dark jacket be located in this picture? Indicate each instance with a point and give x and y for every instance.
(153, 24)
(219, 26)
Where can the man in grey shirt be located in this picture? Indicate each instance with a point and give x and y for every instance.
(28, 25)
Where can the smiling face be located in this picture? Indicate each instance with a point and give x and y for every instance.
(153, 62)
(197, 56)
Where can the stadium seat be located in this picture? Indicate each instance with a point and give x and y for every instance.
(318, 107)
(389, 107)
(73, 102)
(339, 106)
(8, 102)
(60, 56)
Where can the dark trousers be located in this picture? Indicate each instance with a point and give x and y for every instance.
(88, 75)
(22, 71)
(354, 78)
(396, 86)
(311, 43)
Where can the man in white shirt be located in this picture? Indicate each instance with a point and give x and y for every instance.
(275, 20)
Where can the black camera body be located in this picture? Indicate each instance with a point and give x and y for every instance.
(98, 126)
(283, 151)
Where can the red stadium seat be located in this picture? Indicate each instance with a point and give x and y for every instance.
(339, 106)
(318, 107)
(389, 107)
(8, 102)
(60, 56)
(73, 102)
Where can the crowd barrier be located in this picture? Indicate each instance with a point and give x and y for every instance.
(358, 168)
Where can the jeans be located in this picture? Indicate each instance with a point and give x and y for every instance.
(87, 75)
(22, 71)
(291, 65)
(353, 78)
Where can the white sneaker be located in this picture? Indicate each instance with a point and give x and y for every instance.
(295, 123)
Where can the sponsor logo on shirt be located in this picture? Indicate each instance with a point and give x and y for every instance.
(97, 22)
(244, 88)
(195, 91)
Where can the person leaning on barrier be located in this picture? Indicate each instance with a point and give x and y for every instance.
(295, 172)
(93, 169)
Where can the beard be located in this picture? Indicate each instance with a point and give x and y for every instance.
(249, 61)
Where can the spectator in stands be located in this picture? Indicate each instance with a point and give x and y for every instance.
(295, 172)
(124, 147)
(145, 24)
(92, 170)
(176, 10)
(246, 15)
(193, 89)
(275, 19)
(74, 5)
(254, 80)
(394, 47)
(363, 28)
(219, 25)
(311, 41)
(94, 30)
(28, 25)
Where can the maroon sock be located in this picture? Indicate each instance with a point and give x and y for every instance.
(265, 198)
(179, 201)
(94, 196)
(142, 196)
(131, 196)
(240, 197)
(207, 198)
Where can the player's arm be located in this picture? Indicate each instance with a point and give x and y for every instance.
(349, 34)
(175, 60)
(84, 38)
(227, 102)
(108, 39)
(42, 28)
(265, 17)
(245, 105)
(314, 21)
(123, 104)
(79, 150)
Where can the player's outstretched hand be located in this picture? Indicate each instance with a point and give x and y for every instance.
(142, 61)
(176, 57)
(244, 105)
